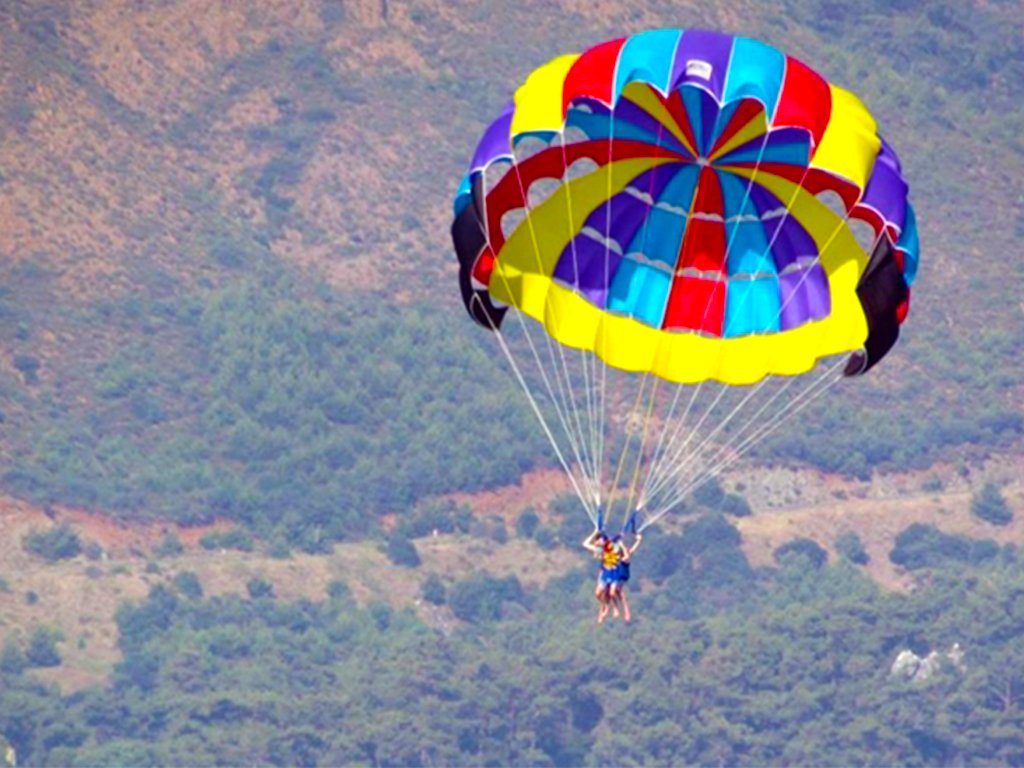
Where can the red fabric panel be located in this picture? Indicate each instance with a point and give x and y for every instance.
(592, 74)
(704, 241)
(696, 304)
(484, 266)
(805, 101)
(744, 114)
(680, 116)
(903, 309)
(794, 173)
(817, 181)
(551, 163)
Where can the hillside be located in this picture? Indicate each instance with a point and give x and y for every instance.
(81, 597)
(227, 287)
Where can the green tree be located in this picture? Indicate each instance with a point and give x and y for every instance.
(189, 585)
(433, 590)
(849, 546)
(169, 546)
(401, 551)
(801, 550)
(527, 523)
(12, 658)
(42, 648)
(259, 588)
(58, 543)
(988, 504)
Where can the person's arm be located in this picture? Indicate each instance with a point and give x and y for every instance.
(590, 543)
(636, 543)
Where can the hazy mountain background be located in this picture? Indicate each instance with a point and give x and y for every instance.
(238, 388)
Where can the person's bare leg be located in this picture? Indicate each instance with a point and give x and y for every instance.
(626, 615)
(601, 594)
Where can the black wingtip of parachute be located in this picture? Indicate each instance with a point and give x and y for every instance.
(469, 240)
(882, 290)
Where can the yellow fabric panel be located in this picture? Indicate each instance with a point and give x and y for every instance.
(850, 143)
(645, 97)
(536, 244)
(682, 357)
(750, 131)
(539, 100)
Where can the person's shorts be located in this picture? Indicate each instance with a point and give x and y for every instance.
(623, 570)
(608, 576)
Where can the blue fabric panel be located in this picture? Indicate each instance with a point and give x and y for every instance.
(746, 242)
(662, 236)
(755, 70)
(600, 127)
(648, 57)
(910, 244)
(641, 291)
(751, 306)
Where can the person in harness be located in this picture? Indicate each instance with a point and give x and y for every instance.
(615, 558)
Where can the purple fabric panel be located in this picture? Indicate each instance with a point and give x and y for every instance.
(626, 206)
(805, 297)
(707, 46)
(583, 262)
(495, 141)
(781, 145)
(629, 112)
(887, 189)
(595, 264)
(709, 112)
(789, 240)
(889, 156)
(621, 219)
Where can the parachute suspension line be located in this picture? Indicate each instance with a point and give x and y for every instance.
(569, 403)
(658, 459)
(591, 513)
(674, 450)
(590, 361)
(719, 462)
(668, 470)
(613, 489)
(739, 433)
(688, 459)
(561, 402)
(662, 472)
(603, 418)
(656, 453)
(640, 455)
(591, 460)
(791, 408)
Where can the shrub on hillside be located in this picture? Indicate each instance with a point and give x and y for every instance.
(735, 505)
(401, 551)
(189, 585)
(236, 538)
(42, 648)
(922, 546)
(989, 505)
(527, 523)
(258, 587)
(169, 546)
(850, 547)
(58, 543)
(433, 590)
(480, 598)
(801, 551)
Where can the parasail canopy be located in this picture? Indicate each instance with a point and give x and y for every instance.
(687, 206)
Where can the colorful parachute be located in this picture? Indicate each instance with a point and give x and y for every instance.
(683, 206)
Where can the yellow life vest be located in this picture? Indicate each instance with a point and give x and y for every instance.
(611, 555)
